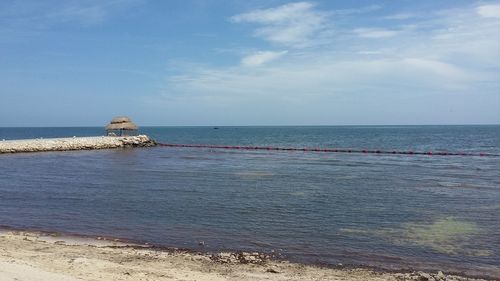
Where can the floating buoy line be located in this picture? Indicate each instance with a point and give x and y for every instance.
(329, 150)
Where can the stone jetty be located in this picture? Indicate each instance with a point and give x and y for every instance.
(75, 143)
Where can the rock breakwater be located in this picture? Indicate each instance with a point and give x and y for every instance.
(75, 143)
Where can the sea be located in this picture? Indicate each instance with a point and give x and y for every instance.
(391, 212)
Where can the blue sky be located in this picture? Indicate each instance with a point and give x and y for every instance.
(79, 63)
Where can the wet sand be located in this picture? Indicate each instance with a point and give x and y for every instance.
(33, 256)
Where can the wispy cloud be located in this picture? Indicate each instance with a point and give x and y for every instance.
(489, 11)
(45, 14)
(261, 58)
(360, 10)
(466, 37)
(440, 69)
(400, 16)
(321, 77)
(294, 25)
(429, 60)
(375, 32)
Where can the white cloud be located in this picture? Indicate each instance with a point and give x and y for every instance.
(489, 11)
(296, 25)
(261, 58)
(441, 69)
(375, 32)
(87, 15)
(435, 53)
(325, 90)
(443, 58)
(400, 16)
(462, 37)
(322, 77)
(279, 15)
(360, 10)
(364, 52)
(45, 14)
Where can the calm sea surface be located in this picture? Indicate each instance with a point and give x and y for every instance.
(390, 211)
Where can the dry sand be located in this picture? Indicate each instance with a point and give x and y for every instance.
(30, 256)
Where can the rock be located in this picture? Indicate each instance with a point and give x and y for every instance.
(240, 257)
(78, 143)
(272, 270)
(425, 277)
(402, 276)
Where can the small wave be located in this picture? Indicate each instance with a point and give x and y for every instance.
(464, 185)
(299, 193)
(252, 175)
(449, 184)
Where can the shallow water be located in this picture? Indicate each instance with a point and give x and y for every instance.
(391, 211)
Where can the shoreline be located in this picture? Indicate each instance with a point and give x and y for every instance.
(74, 143)
(23, 249)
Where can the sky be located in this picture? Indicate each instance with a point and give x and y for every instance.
(249, 62)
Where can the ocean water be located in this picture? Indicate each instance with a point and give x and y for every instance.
(387, 211)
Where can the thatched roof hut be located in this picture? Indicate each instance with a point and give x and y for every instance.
(121, 123)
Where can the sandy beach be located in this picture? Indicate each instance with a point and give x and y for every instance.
(32, 256)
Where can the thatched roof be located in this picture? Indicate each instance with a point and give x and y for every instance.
(121, 123)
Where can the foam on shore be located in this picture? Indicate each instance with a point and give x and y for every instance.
(75, 143)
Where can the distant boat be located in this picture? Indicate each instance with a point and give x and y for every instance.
(216, 128)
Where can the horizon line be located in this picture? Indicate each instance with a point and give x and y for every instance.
(309, 125)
